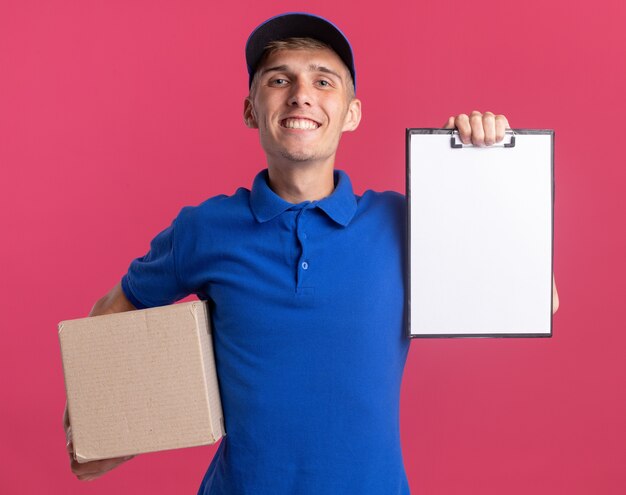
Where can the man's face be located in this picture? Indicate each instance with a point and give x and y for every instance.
(301, 105)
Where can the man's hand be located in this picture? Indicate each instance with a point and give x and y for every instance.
(89, 470)
(485, 129)
(555, 296)
(480, 129)
(114, 301)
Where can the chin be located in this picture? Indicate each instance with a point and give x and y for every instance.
(298, 156)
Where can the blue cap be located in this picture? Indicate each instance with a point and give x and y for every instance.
(297, 25)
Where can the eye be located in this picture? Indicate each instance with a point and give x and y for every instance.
(279, 81)
(324, 83)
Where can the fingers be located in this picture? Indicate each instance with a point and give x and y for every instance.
(88, 470)
(502, 124)
(489, 128)
(94, 469)
(478, 132)
(478, 128)
(462, 124)
(555, 296)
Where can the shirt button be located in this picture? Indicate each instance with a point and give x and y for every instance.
(304, 235)
(305, 265)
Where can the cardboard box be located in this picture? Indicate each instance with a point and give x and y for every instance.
(141, 381)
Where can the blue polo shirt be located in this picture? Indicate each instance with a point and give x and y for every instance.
(307, 307)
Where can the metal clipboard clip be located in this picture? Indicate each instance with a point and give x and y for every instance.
(455, 140)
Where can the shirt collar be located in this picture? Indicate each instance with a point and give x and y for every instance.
(340, 206)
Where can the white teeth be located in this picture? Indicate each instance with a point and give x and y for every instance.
(299, 124)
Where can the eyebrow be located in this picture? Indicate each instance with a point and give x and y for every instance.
(311, 68)
(321, 68)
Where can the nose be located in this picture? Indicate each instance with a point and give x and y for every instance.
(300, 94)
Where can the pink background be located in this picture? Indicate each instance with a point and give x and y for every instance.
(113, 115)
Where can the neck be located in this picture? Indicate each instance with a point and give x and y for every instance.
(296, 184)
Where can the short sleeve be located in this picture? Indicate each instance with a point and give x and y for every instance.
(153, 280)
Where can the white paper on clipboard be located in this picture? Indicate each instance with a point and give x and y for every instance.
(480, 235)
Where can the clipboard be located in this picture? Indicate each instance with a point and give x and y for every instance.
(480, 237)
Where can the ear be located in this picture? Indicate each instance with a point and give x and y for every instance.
(353, 117)
(248, 114)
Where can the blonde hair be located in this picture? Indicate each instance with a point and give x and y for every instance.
(297, 44)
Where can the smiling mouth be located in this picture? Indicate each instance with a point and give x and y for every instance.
(298, 123)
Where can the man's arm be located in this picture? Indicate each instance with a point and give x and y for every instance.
(485, 129)
(113, 302)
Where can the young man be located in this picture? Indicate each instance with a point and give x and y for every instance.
(305, 283)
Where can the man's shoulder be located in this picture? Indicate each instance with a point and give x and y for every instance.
(381, 209)
(381, 200)
(215, 208)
